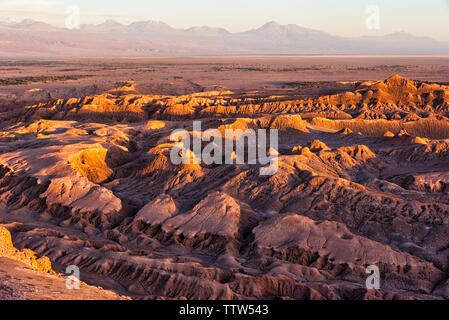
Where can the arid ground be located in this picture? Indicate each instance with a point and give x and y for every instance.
(86, 178)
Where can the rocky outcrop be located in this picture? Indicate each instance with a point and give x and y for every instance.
(106, 196)
(25, 256)
(394, 98)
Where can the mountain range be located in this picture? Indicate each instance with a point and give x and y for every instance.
(30, 38)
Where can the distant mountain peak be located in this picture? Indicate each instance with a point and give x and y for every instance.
(150, 23)
(111, 22)
(144, 38)
(33, 24)
(152, 26)
(28, 21)
(208, 31)
(290, 32)
(270, 25)
(273, 25)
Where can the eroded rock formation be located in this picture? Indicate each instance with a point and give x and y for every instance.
(105, 196)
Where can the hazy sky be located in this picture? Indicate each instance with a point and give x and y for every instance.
(342, 17)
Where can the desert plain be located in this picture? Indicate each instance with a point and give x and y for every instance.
(86, 178)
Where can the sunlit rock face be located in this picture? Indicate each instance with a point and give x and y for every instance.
(362, 179)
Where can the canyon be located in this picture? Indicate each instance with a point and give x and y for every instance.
(86, 179)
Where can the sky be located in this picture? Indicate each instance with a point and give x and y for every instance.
(339, 17)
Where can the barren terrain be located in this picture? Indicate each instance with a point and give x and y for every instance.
(363, 179)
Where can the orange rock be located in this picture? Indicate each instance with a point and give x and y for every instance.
(317, 146)
(345, 131)
(419, 140)
(26, 256)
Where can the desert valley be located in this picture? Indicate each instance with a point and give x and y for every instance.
(363, 179)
